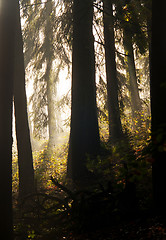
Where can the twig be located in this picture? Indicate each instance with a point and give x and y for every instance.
(56, 183)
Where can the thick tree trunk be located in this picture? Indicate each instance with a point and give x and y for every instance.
(115, 127)
(158, 100)
(133, 85)
(25, 159)
(84, 135)
(7, 23)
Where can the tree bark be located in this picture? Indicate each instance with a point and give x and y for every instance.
(25, 159)
(133, 85)
(115, 127)
(158, 100)
(7, 23)
(84, 135)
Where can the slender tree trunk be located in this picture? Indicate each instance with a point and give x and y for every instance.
(52, 116)
(51, 83)
(115, 127)
(158, 100)
(133, 85)
(149, 31)
(25, 159)
(84, 135)
(7, 23)
(51, 109)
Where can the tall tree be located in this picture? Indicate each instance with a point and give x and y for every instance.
(84, 135)
(131, 20)
(158, 100)
(25, 159)
(115, 127)
(47, 56)
(133, 85)
(7, 21)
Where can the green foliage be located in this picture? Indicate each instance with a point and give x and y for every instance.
(45, 165)
(15, 177)
(133, 20)
(60, 206)
(64, 209)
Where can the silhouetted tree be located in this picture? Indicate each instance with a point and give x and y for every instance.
(115, 127)
(7, 21)
(84, 135)
(158, 100)
(25, 159)
(131, 18)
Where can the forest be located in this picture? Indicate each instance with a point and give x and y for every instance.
(82, 120)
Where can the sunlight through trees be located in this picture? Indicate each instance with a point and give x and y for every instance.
(87, 99)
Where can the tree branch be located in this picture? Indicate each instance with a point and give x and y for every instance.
(34, 4)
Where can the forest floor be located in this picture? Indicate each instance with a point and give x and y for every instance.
(152, 228)
(145, 226)
(111, 204)
(92, 215)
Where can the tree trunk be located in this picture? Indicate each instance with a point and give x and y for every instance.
(53, 118)
(25, 159)
(51, 81)
(7, 23)
(158, 100)
(115, 127)
(84, 135)
(133, 85)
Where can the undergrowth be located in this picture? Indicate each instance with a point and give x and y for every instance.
(121, 187)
